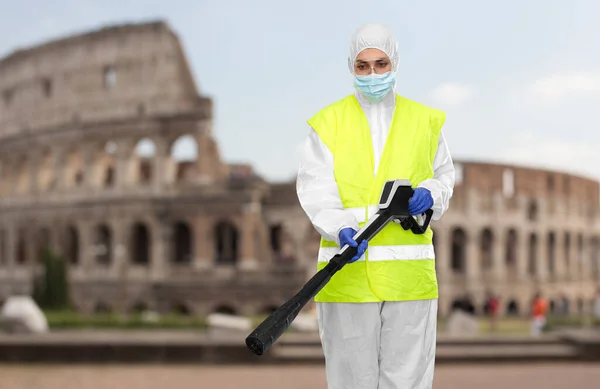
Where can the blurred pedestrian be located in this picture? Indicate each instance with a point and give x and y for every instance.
(539, 311)
(493, 310)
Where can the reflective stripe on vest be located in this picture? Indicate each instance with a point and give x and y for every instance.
(398, 264)
(385, 253)
(380, 253)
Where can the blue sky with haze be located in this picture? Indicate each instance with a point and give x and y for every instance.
(519, 80)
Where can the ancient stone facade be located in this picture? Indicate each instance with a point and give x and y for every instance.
(515, 231)
(89, 131)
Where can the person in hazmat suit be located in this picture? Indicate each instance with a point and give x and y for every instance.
(377, 315)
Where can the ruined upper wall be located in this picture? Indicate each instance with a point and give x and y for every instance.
(115, 73)
(529, 182)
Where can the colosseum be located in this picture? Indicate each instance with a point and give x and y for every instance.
(90, 128)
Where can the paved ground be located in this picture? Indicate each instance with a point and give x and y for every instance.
(522, 376)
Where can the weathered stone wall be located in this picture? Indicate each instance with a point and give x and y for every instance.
(510, 233)
(197, 235)
(113, 74)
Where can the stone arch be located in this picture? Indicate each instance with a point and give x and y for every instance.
(103, 164)
(532, 255)
(580, 254)
(73, 170)
(71, 245)
(145, 153)
(594, 243)
(563, 304)
(458, 258)
(140, 244)
(512, 308)
(511, 249)
(45, 170)
(567, 252)
(103, 244)
(225, 309)
(46, 85)
(183, 152)
(464, 303)
(21, 247)
(42, 243)
(22, 173)
(580, 305)
(110, 77)
(181, 308)
(226, 243)
(108, 165)
(3, 177)
(183, 243)
(3, 259)
(138, 307)
(6, 177)
(184, 148)
(275, 237)
(19, 175)
(281, 244)
(486, 243)
(456, 305)
(102, 307)
(532, 211)
(551, 250)
(552, 306)
(10, 179)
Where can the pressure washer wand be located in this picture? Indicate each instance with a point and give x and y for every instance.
(393, 205)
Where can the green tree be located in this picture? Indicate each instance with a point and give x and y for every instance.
(51, 287)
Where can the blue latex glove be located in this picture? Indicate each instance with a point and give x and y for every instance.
(346, 235)
(420, 202)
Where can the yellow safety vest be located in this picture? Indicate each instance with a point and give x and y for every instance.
(398, 264)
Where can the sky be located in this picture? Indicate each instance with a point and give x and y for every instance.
(518, 80)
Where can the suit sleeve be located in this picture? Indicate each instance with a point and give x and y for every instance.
(441, 185)
(317, 189)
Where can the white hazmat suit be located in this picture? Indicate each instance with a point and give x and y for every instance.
(385, 345)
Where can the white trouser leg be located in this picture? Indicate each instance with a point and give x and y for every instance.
(350, 338)
(408, 344)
